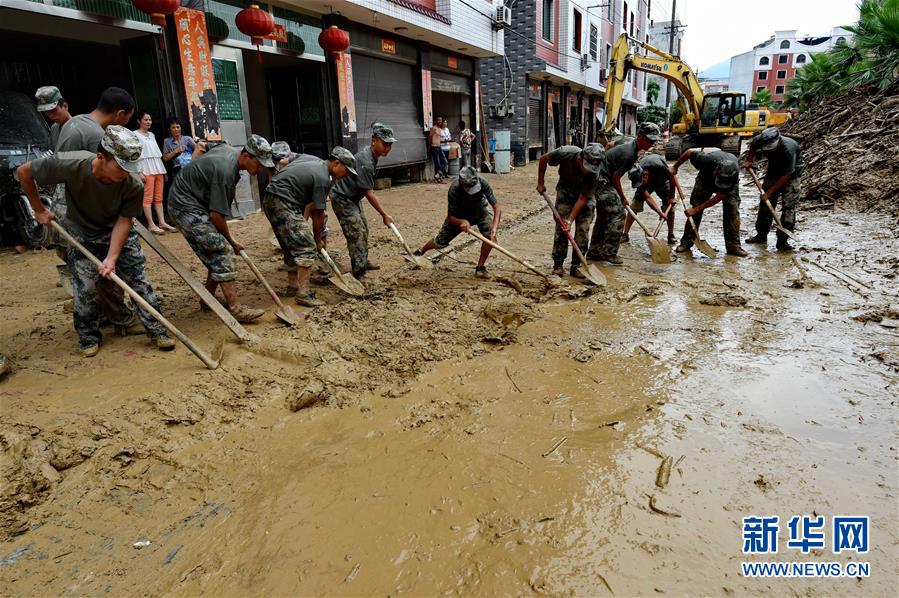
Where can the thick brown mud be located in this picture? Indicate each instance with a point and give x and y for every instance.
(461, 436)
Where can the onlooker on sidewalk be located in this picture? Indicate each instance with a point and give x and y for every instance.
(152, 173)
(441, 165)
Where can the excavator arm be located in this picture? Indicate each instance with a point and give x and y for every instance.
(662, 64)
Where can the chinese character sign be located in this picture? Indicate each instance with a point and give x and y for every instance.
(427, 106)
(344, 65)
(196, 68)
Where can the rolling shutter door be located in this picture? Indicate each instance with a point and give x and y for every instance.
(388, 92)
(535, 129)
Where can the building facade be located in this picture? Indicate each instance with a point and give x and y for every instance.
(409, 56)
(548, 88)
(773, 63)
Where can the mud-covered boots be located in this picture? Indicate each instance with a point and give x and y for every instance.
(784, 245)
(736, 251)
(757, 239)
(558, 271)
(575, 272)
(244, 314)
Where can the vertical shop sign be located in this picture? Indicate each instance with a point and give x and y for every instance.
(344, 65)
(196, 68)
(426, 105)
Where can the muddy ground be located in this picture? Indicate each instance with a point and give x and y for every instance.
(466, 437)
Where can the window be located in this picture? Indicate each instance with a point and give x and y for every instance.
(784, 45)
(763, 61)
(783, 59)
(632, 24)
(781, 74)
(760, 88)
(778, 90)
(763, 76)
(610, 7)
(576, 38)
(841, 40)
(608, 55)
(624, 17)
(800, 59)
(548, 13)
(594, 40)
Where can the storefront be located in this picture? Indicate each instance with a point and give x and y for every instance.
(453, 89)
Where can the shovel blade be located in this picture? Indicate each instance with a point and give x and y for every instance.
(704, 247)
(287, 315)
(659, 251)
(593, 274)
(346, 284)
(420, 261)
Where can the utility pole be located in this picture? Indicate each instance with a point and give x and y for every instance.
(671, 32)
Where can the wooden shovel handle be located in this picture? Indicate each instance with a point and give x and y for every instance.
(780, 226)
(208, 361)
(505, 252)
(662, 221)
(565, 229)
(637, 220)
(261, 279)
(683, 203)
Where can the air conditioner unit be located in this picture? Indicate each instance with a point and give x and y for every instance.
(503, 17)
(603, 75)
(585, 62)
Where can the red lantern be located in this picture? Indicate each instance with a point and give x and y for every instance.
(255, 23)
(157, 9)
(334, 40)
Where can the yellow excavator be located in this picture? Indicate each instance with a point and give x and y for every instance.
(712, 120)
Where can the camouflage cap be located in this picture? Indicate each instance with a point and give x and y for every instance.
(727, 174)
(124, 146)
(768, 139)
(636, 174)
(469, 180)
(345, 157)
(651, 130)
(48, 97)
(592, 156)
(258, 147)
(280, 150)
(383, 132)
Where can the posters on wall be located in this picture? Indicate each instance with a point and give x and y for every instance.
(196, 68)
(344, 64)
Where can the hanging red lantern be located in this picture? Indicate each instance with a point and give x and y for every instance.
(334, 40)
(256, 24)
(157, 9)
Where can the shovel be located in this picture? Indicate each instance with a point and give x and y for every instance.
(703, 246)
(284, 312)
(771, 209)
(505, 252)
(345, 282)
(655, 233)
(138, 299)
(590, 271)
(658, 250)
(419, 260)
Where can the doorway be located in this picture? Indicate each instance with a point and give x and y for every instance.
(296, 107)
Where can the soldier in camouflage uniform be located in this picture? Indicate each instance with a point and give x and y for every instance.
(575, 202)
(717, 180)
(200, 204)
(103, 197)
(55, 109)
(470, 201)
(301, 190)
(610, 198)
(783, 181)
(651, 175)
(347, 194)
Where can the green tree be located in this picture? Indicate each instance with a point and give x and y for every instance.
(652, 92)
(761, 97)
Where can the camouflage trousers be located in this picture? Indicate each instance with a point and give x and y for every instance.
(565, 200)
(449, 231)
(208, 243)
(731, 203)
(292, 231)
(609, 225)
(789, 199)
(355, 229)
(86, 282)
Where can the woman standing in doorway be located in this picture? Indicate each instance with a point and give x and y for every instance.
(152, 173)
(177, 149)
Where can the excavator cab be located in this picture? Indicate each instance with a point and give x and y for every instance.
(726, 110)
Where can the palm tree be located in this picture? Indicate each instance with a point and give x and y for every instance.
(652, 92)
(762, 97)
(877, 44)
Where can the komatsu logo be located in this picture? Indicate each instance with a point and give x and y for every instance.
(650, 66)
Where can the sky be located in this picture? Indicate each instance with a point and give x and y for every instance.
(719, 29)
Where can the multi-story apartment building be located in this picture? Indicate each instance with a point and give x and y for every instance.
(548, 88)
(773, 63)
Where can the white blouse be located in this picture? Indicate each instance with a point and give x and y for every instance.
(151, 155)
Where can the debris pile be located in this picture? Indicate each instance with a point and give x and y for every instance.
(850, 144)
